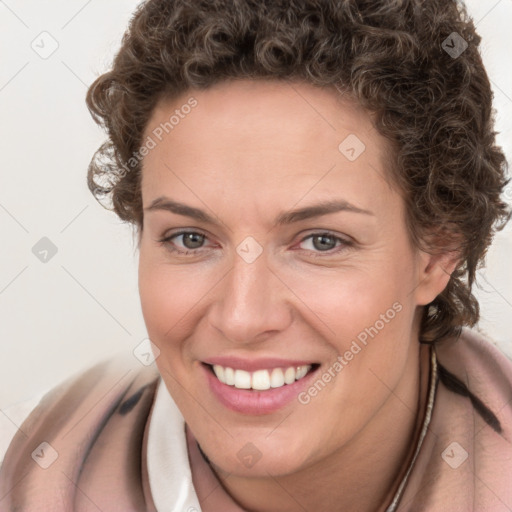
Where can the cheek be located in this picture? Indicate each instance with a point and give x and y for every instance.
(172, 303)
(167, 294)
(367, 317)
(155, 301)
(163, 299)
(346, 301)
(163, 308)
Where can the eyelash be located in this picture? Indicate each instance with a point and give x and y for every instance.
(345, 244)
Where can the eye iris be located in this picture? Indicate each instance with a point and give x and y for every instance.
(195, 238)
(322, 239)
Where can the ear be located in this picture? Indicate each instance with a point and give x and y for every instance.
(434, 272)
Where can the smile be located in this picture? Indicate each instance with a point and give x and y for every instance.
(260, 380)
(257, 386)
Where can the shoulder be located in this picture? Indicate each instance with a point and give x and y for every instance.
(102, 386)
(473, 343)
(90, 426)
(465, 460)
(486, 371)
(114, 374)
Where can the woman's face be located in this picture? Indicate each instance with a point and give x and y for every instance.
(295, 258)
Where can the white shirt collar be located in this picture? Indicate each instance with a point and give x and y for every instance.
(169, 473)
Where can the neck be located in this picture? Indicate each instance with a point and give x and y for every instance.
(359, 475)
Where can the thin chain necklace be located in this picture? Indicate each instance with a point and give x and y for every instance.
(424, 428)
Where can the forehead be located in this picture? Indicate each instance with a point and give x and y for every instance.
(245, 137)
(262, 106)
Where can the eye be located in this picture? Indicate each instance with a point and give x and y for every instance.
(325, 243)
(191, 240)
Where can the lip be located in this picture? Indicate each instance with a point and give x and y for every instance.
(253, 402)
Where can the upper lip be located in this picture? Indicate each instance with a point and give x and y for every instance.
(251, 365)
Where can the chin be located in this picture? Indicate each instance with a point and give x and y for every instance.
(257, 456)
(261, 468)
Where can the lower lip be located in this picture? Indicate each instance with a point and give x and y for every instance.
(249, 401)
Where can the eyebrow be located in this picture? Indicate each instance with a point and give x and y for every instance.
(284, 218)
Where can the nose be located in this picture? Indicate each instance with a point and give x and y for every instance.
(251, 302)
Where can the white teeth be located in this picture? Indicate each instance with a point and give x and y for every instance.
(242, 379)
(219, 372)
(260, 380)
(229, 375)
(289, 375)
(301, 372)
(277, 378)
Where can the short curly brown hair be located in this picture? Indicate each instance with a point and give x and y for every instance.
(406, 61)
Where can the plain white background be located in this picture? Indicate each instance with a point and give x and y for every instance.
(82, 305)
